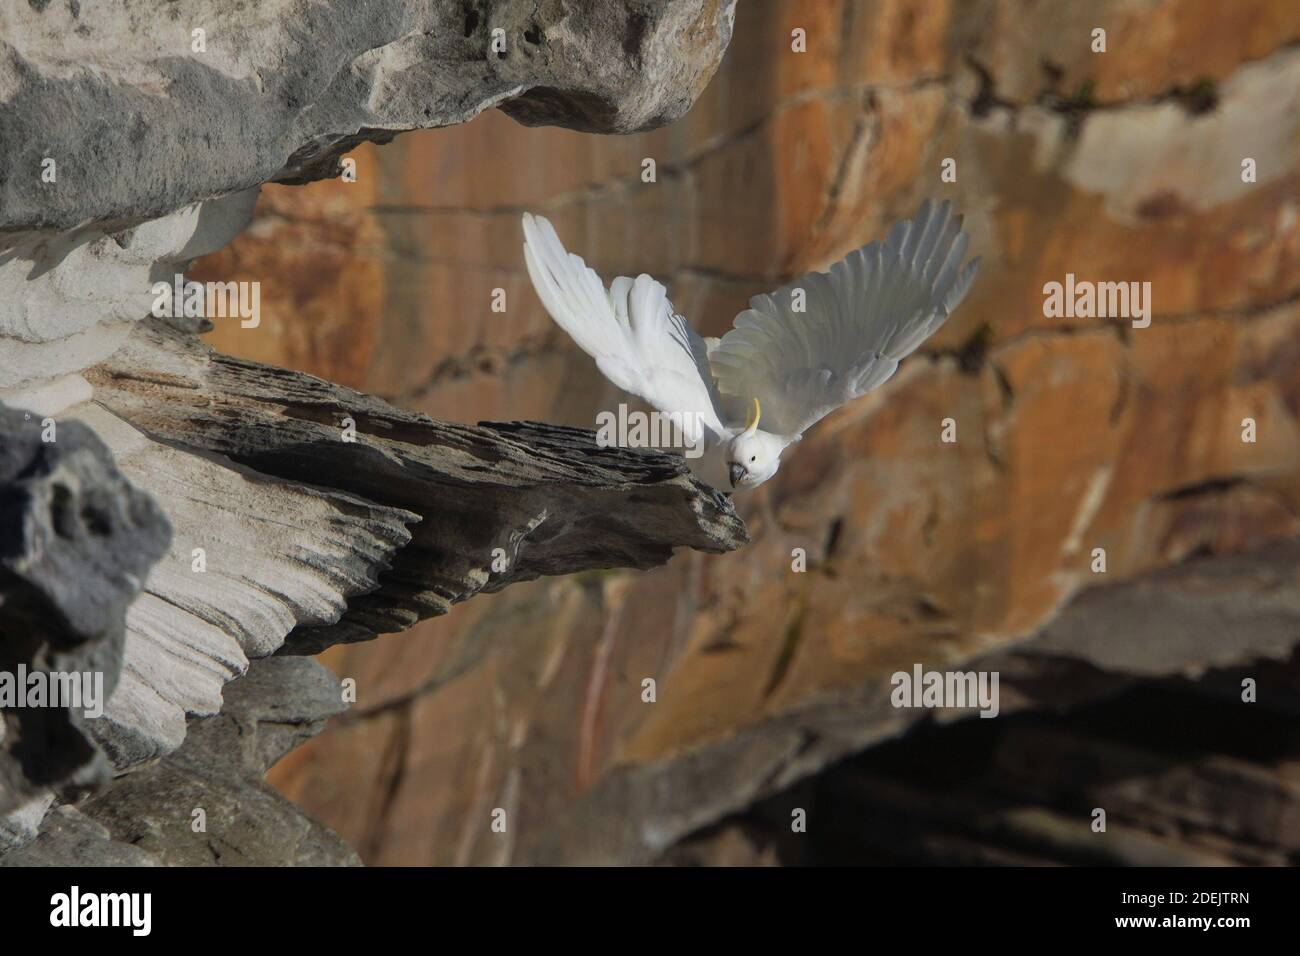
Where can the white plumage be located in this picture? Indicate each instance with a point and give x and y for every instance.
(857, 323)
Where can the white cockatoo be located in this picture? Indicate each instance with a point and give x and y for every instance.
(791, 358)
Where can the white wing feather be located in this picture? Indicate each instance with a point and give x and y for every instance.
(860, 320)
(638, 341)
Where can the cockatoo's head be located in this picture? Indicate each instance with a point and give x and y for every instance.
(753, 456)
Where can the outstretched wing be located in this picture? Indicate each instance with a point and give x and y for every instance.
(858, 322)
(631, 330)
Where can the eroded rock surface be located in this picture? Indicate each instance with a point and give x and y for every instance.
(206, 804)
(277, 91)
(77, 540)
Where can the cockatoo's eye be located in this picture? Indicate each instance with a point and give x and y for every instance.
(753, 458)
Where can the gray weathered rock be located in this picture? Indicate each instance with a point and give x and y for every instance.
(1192, 617)
(148, 817)
(251, 558)
(219, 769)
(69, 300)
(282, 88)
(76, 541)
(22, 825)
(67, 837)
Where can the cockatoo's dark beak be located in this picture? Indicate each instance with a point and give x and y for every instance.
(736, 472)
